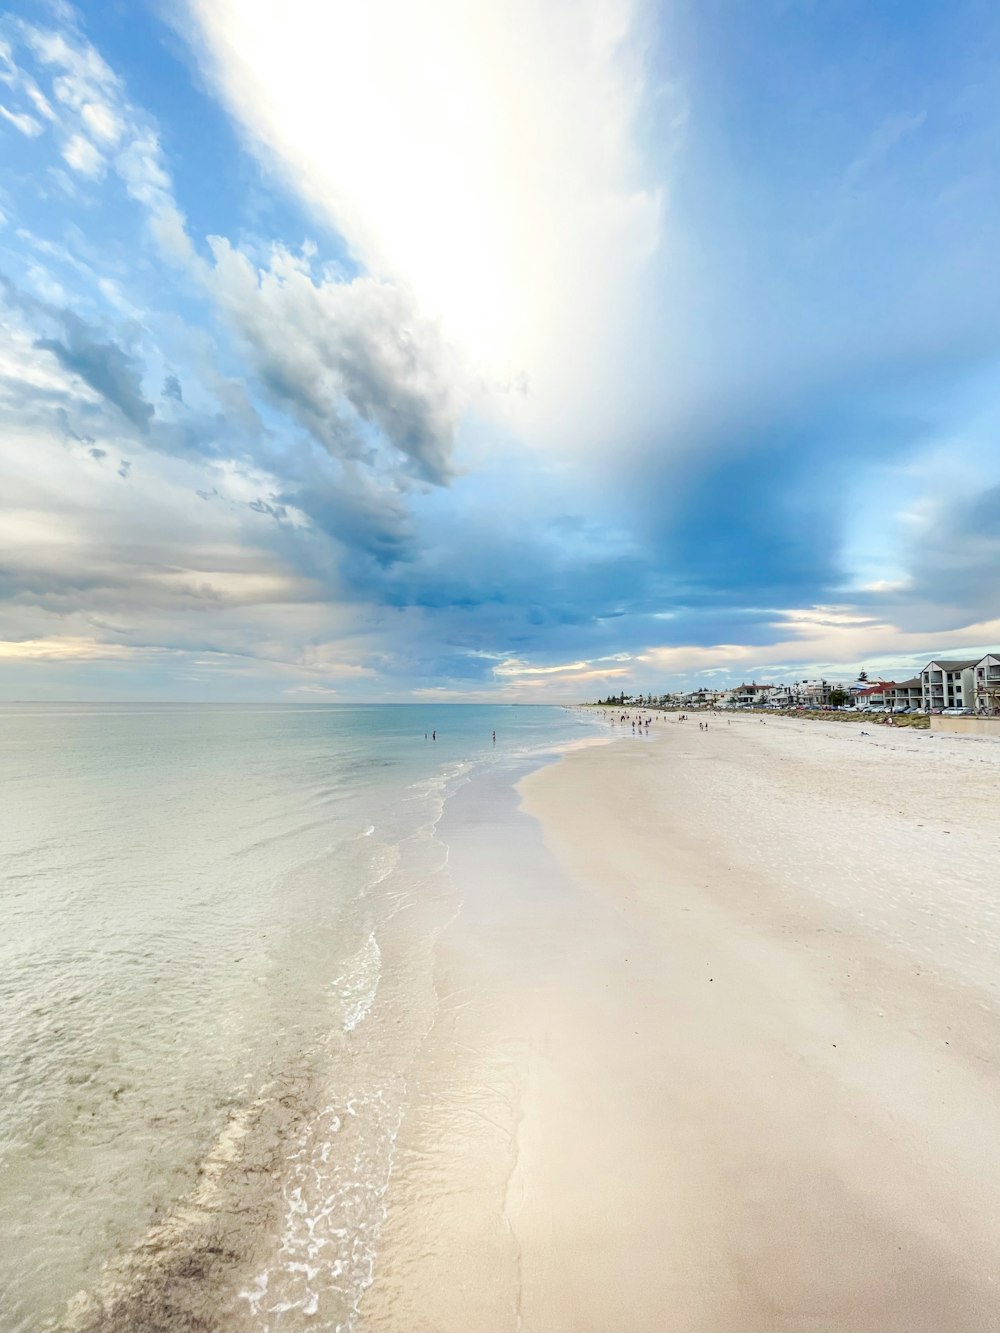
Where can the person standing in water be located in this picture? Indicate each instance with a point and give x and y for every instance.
(494, 738)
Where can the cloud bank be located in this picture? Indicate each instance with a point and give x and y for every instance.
(482, 160)
(518, 354)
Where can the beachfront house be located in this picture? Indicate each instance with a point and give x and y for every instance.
(782, 696)
(986, 682)
(813, 693)
(948, 683)
(702, 698)
(907, 694)
(875, 697)
(751, 696)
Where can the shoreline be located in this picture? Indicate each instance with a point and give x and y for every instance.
(279, 1224)
(716, 1045)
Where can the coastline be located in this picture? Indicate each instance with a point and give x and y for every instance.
(715, 1044)
(279, 1226)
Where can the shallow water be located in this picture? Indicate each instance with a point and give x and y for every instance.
(215, 968)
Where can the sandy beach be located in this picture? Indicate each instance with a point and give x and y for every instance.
(716, 1044)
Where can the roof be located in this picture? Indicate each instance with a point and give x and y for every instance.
(913, 684)
(949, 664)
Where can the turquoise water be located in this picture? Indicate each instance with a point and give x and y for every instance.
(216, 965)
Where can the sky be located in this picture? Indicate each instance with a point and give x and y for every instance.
(521, 352)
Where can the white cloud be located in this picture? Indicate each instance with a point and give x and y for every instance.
(27, 125)
(822, 638)
(80, 154)
(85, 75)
(140, 165)
(102, 121)
(481, 156)
(65, 648)
(92, 109)
(38, 99)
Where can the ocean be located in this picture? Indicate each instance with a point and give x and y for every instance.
(216, 968)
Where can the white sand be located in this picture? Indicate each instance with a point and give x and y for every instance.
(724, 1056)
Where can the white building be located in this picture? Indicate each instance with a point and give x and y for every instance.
(948, 683)
(782, 696)
(750, 696)
(702, 698)
(813, 693)
(986, 683)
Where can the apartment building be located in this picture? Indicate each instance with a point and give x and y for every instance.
(907, 693)
(948, 683)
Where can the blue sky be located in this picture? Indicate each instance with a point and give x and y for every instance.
(519, 352)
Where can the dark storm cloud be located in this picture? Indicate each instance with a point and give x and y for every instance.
(104, 365)
(749, 503)
(955, 560)
(328, 351)
(83, 350)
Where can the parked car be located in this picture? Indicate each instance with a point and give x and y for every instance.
(956, 712)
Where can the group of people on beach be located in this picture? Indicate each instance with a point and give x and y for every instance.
(642, 723)
(702, 726)
(637, 721)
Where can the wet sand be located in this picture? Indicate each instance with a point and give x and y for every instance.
(716, 1046)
